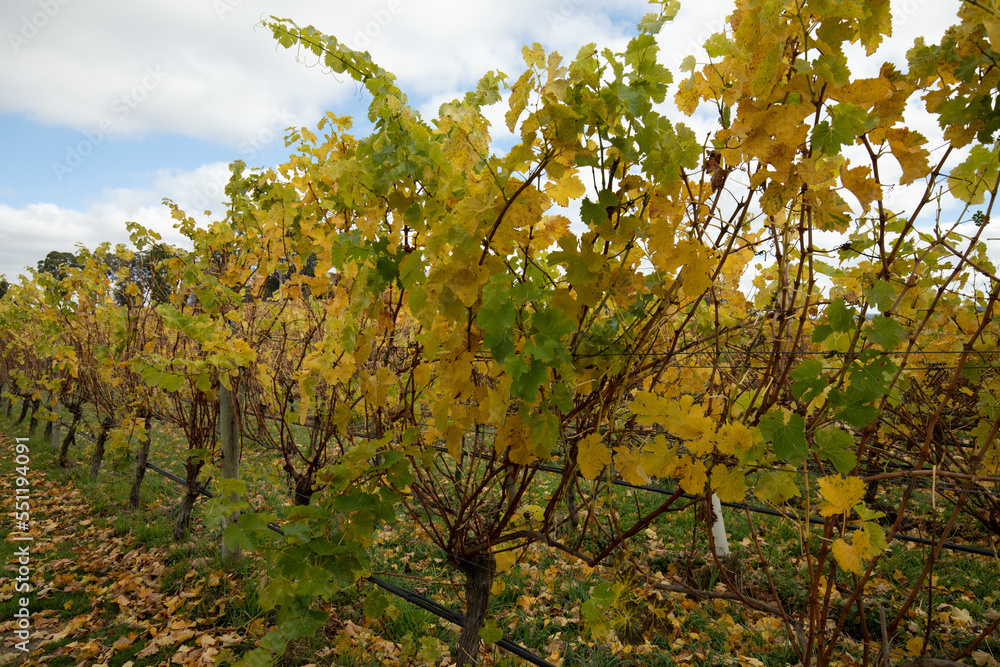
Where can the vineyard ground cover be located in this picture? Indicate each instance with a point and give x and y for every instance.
(539, 602)
(107, 578)
(260, 468)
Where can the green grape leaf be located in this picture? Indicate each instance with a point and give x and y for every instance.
(836, 445)
(786, 431)
(847, 122)
(971, 180)
(882, 294)
(496, 318)
(809, 380)
(886, 332)
(377, 604)
(490, 633)
(840, 317)
(777, 487)
(602, 598)
(821, 333)
(853, 404)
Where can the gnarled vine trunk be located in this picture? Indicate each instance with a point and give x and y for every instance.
(70, 438)
(194, 489)
(303, 490)
(24, 408)
(478, 570)
(229, 442)
(95, 463)
(187, 504)
(33, 423)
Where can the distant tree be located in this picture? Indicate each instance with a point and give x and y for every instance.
(56, 263)
(145, 270)
(4, 286)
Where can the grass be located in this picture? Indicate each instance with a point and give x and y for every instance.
(100, 569)
(538, 604)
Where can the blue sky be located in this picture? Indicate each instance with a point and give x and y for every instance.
(111, 105)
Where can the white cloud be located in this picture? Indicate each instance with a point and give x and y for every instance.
(29, 233)
(205, 69)
(201, 69)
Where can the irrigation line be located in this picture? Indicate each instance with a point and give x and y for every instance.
(456, 618)
(412, 597)
(516, 649)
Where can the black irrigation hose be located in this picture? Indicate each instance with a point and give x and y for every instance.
(456, 618)
(410, 596)
(520, 651)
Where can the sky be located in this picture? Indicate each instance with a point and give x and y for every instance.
(110, 106)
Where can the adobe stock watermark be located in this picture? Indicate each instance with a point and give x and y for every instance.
(710, 27)
(565, 10)
(33, 24)
(21, 563)
(209, 194)
(212, 192)
(223, 7)
(379, 20)
(121, 108)
(275, 127)
(907, 10)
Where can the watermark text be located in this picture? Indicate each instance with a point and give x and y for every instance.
(22, 555)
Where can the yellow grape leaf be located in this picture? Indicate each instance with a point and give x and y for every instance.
(568, 187)
(863, 93)
(534, 56)
(629, 466)
(696, 273)
(992, 24)
(865, 543)
(660, 245)
(689, 92)
(549, 229)
(592, 455)
(729, 485)
(846, 556)
(861, 186)
(465, 283)
(660, 459)
(512, 434)
(767, 70)
(806, 170)
(961, 616)
(456, 151)
(498, 586)
(688, 422)
(518, 98)
(914, 645)
(454, 441)
(694, 475)
(649, 408)
(733, 438)
(505, 560)
(907, 148)
(840, 494)
(522, 455)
